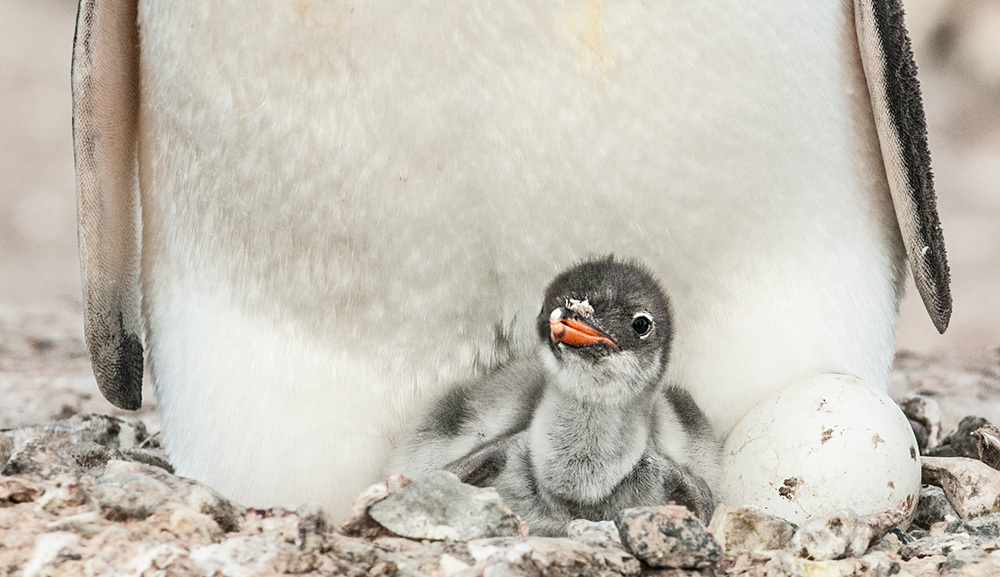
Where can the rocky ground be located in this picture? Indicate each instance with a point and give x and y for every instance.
(94, 495)
(45, 373)
(84, 494)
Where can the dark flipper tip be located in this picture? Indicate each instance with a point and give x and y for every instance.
(118, 367)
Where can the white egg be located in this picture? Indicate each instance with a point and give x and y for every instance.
(829, 442)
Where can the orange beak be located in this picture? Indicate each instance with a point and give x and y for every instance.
(574, 332)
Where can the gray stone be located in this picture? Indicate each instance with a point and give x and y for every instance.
(956, 525)
(129, 496)
(359, 523)
(667, 536)
(36, 457)
(932, 507)
(987, 526)
(439, 506)
(960, 442)
(134, 491)
(942, 544)
(111, 432)
(988, 443)
(972, 487)
(82, 444)
(835, 536)
(557, 557)
(890, 543)
(961, 557)
(924, 415)
(749, 529)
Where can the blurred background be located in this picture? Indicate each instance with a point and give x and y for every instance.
(957, 45)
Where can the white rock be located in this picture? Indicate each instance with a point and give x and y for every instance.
(436, 505)
(243, 556)
(972, 487)
(594, 532)
(824, 444)
(451, 565)
(749, 529)
(834, 536)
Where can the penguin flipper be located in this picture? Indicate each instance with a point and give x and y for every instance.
(891, 73)
(105, 78)
(482, 466)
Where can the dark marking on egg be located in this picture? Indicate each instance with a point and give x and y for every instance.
(787, 488)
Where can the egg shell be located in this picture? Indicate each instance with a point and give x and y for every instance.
(827, 443)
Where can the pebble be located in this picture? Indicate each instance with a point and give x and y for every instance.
(749, 529)
(987, 526)
(558, 556)
(133, 491)
(932, 507)
(961, 557)
(439, 506)
(359, 523)
(835, 536)
(667, 536)
(988, 444)
(960, 442)
(594, 532)
(972, 487)
(942, 544)
(82, 444)
(924, 414)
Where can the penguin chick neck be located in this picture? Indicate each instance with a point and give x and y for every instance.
(615, 380)
(581, 450)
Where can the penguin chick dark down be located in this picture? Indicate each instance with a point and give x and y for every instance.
(585, 428)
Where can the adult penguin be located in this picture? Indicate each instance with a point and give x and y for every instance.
(311, 215)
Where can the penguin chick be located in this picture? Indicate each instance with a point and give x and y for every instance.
(584, 429)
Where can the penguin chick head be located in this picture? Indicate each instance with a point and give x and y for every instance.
(605, 328)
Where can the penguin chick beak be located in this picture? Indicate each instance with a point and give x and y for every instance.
(567, 328)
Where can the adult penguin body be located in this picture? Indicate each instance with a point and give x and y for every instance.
(340, 206)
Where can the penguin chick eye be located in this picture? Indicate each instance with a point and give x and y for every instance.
(642, 325)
